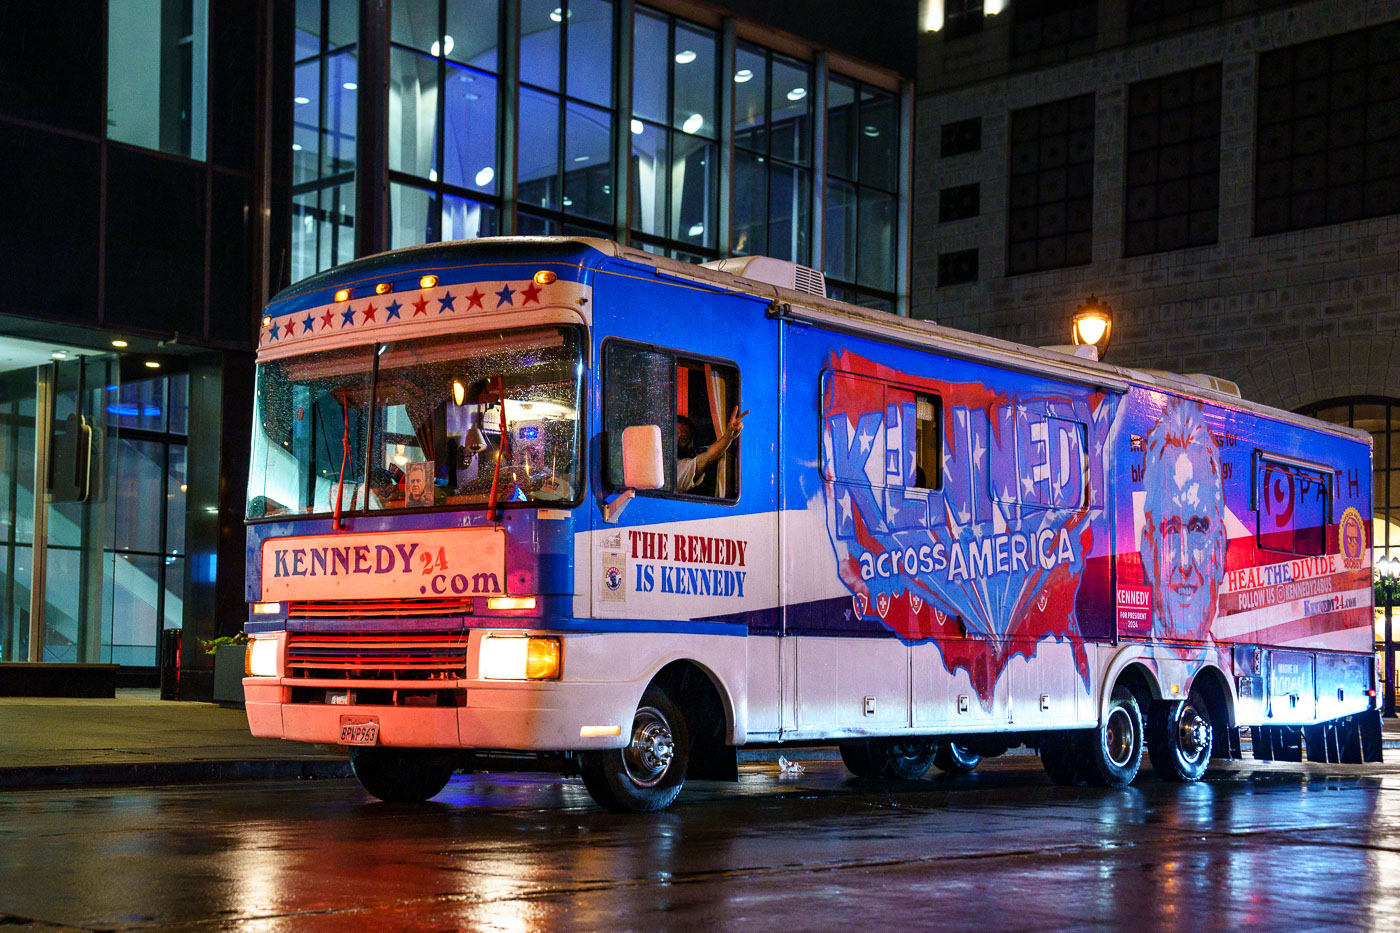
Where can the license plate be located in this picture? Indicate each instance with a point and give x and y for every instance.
(359, 732)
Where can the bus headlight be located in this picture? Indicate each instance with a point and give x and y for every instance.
(262, 657)
(519, 657)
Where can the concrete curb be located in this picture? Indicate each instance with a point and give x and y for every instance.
(170, 772)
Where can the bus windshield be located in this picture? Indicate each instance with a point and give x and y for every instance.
(426, 421)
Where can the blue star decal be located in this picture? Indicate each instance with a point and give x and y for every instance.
(275, 329)
(507, 296)
(347, 317)
(307, 324)
(393, 310)
(446, 302)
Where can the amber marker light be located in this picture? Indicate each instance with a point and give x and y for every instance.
(343, 295)
(267, 609)
(542, 659)
(383, 288)
(598, 732)
(267, 322)
(428, 281)
(545, 277)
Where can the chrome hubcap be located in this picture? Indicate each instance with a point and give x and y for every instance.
(1119, 738)
(649, 753)
(1193, 733)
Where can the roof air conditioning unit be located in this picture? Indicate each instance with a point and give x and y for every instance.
(778, 272)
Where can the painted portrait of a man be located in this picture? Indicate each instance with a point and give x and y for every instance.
(1183, 533)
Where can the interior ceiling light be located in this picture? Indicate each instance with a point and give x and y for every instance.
(797, 93)
(296, 147)
(693, 123)
(742, 76)
(120, 344)
(557, 14)
(59, 355)
(446, 47)
(685, 57)
(582, 158)
(872, 131)
(483, 177)
(302, 100)
(350, 86)
(152, 364)
(637, 127)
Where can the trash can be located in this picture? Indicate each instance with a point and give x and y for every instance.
(170, 664)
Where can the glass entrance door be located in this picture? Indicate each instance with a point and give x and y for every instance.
(55, 574)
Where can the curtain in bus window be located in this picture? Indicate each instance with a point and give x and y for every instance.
(1292, 507)
(719, 417)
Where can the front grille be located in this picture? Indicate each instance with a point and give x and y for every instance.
(377, 608)
(376, 656)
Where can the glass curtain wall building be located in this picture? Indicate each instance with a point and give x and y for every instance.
(697, 136)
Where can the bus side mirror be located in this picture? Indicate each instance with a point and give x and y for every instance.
(642, 467)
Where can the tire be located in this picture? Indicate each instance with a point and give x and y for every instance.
(1179, 739)
(901, 760)
(1114, 750)
(1061, 755)
(400, 775)
(647, 773)
(953, 758)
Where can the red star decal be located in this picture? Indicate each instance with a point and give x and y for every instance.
(420, 306)
(530, 294)
(327, 319)
(370, 312)
(475, 299)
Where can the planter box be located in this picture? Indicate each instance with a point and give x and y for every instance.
(228, 674)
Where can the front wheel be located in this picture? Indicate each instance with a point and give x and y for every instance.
(647, 773)
(400, 775)
(953, 758)
(1114, 750)
(1179, 738)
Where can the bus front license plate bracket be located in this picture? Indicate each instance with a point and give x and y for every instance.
(357, 730)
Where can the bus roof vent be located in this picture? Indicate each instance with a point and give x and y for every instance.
(778, 272)
(1223, 386)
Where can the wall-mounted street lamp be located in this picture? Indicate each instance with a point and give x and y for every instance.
(1093, 324)
(1387, 591)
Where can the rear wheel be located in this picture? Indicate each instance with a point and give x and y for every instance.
(400, 775)
(956, 759)
(1179, 738)
(1114, 752)
(900, 759)
(648, 772)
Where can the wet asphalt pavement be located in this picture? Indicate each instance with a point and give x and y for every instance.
(1288, 847)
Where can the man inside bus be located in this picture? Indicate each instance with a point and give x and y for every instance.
(1183, 534)
(690, 464)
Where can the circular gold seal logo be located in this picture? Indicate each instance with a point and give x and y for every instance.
(1351, 535)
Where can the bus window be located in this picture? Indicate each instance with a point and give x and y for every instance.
(449, 409)
(689, 399)
(928, 442)
(1291, 503)
(307, 412)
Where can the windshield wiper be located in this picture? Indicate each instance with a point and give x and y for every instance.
(493, 505)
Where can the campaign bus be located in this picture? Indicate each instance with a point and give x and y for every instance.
(560, 504)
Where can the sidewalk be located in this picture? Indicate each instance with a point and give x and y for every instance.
(137, 738)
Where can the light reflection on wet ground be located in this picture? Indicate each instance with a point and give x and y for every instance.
(1286, 846)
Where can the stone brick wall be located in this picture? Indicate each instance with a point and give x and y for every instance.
(1294, 318)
